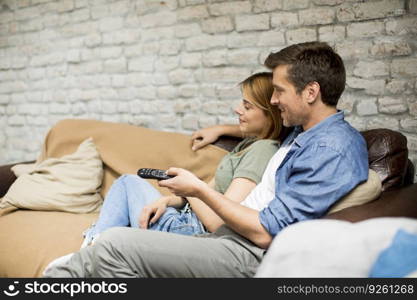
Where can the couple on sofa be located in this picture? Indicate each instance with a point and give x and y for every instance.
(272, 179)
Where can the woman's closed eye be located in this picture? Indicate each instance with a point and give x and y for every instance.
(246, 104)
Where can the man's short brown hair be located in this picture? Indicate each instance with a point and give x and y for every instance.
(309, 62)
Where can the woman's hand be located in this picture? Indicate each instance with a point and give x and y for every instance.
(205, 136)
(152, 212)
(183, 184)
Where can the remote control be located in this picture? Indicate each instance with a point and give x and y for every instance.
(153, 174)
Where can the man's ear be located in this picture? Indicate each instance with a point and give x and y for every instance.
(312, 92)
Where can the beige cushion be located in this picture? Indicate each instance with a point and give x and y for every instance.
(70, 183)
(363, 193)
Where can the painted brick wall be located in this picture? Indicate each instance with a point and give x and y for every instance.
(174, 64)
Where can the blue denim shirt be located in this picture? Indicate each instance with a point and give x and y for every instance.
(324, 164)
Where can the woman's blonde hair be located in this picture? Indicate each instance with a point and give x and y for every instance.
(259, 87)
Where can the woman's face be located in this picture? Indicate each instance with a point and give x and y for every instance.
(252, 119)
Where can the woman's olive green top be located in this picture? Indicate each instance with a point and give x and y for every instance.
(248, 160)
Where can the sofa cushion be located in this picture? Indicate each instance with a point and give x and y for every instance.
(363, 193)
(330, 248)
(70, 183)
(399, 259)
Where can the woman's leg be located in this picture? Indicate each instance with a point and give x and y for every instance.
(123, 204)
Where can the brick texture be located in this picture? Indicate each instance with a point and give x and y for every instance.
(174, 64)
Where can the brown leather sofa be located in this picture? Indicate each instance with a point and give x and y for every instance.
(388, 156)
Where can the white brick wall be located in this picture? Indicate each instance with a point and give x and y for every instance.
(174, 64)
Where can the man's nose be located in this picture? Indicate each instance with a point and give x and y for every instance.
(274, 99)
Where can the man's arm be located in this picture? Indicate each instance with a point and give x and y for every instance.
(232, 130)
(247, 173)
(237, 192)
(209, 135)
(243, 220)
(306, 187)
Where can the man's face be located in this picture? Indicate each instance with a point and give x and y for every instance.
(294, 109)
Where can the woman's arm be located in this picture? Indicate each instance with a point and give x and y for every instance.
(237, 192)
(209, 135)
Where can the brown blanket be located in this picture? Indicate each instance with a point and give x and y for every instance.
(31, 239)
(126, 148)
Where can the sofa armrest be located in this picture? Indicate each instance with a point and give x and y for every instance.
(401, 202)
(7, 177)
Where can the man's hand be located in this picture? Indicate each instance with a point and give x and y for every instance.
(152, 212)
(183, 184)
(242, 219)
(205, 136)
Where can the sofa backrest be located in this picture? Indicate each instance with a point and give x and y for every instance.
(388, 156)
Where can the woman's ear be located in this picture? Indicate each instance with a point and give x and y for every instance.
(312, 91)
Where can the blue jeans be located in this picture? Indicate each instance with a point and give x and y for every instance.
(124, 202)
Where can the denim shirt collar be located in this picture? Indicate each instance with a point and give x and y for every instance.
(304, 136)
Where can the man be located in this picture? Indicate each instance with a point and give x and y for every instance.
(324, 162)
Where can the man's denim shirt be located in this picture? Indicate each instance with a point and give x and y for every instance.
(324, 164)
